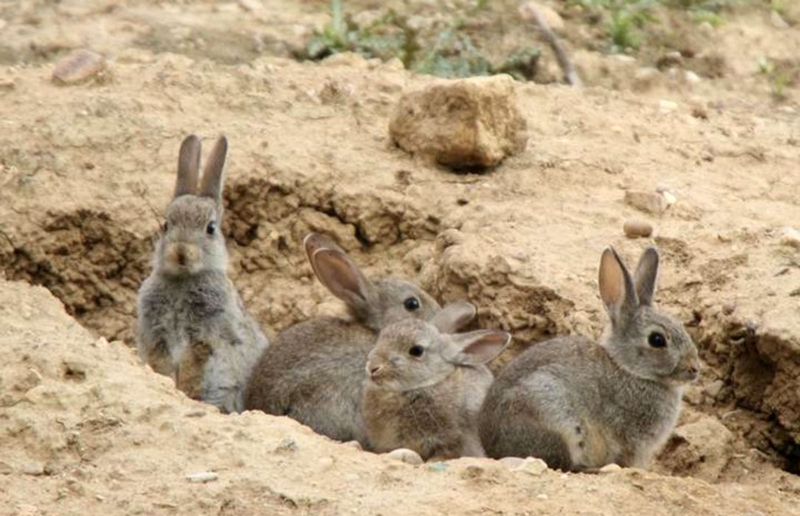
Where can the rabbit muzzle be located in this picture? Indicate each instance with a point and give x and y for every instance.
(687, 371)
(183, 258)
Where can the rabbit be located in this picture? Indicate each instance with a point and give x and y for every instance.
(425, 387)
(578, 405)
(314, 371)
(192, 324)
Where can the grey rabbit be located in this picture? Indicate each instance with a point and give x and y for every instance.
(192, 324)
(425, 386)
(578, 405)
(314, 371)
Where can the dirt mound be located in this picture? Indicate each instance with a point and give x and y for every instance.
(87, 429)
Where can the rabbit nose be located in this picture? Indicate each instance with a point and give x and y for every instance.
(181, 257)
(374, 370)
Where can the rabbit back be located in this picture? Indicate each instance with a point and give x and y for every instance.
(567, 402)
(314, 373)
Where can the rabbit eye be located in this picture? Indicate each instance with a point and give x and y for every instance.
(416, 351)
(211, 228)
(657, 340)
(411, 304)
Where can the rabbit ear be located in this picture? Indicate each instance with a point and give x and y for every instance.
(453, 317)
(313, 242)
(188, 166)
(346, 281)
(476, 347)
(646, 275)
(616, 286)
(211, 184)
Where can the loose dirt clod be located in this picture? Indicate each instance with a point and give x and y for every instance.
(648, 202)
(461, 123)
(636, 228)
(79, 66)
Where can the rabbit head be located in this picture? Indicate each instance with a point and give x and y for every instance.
(645, 342)
(192, 241)
(375, 303)
(413, 354)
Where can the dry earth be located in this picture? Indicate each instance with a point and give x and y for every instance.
(86, 170)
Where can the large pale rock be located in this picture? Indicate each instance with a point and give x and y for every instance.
(700, 449)
(471, 122)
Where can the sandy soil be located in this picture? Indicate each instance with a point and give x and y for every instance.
(86, 170)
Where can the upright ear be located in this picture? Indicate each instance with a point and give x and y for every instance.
(616, 287)
(313, 242)
(646, 275)
(188, 166)
(476, 347)
(346, 281)
(453, 317)
(211, 184)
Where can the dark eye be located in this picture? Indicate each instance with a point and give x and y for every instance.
(165, 227)
(211, 228)
(411, 304)
(657, 340)
(416, 351)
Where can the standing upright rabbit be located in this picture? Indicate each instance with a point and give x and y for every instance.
(192, 324)
(578, 405)
(314, 372)
(426, 387)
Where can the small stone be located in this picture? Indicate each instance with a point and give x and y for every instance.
(202, 477)
(635, 228)
(461, 123)
(790, 237)
(648, 202)
(32, 468)
(512, 462)
(532, 466)
(713, 388)
(353, 444)
(405, 455)
(671, 199)
(79, 66)
(777, 20)
(550, 16)
(610, 468)
(667, 106)
(672, 58)
(691, 77)
(287, 445)
(542, 496)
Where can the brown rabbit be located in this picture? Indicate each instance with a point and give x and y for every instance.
(425, 387)
(314, 371)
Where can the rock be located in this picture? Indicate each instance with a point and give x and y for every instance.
(648, 202)
(635, 228)
(201, 477)
(701, 449)
(32, 468)
(512, 462)
(610, 468)
(691, 77)
(667, 106)
(550, 16)
(354, 445)
(405, 455)
(79, 66)
(672, 58)
(713, 389)
(790, 237)
(777, 20)
(471, 122)
(287, 445)
(532, 466)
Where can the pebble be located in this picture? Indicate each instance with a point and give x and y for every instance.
(512, 462)
(649, 202)
(691, 77)
(79, 66)
(287, 445)
(790, 237)
(33, 469)
(610, 468)
(532, 466)
(405, 455)
(667, 106)
(636, 228)
(713, 388)
(672, 58)
(353, 444)
(542, 497)
(671, 199)
(201, 477)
